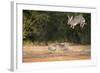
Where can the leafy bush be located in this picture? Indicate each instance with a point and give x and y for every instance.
(46, 26)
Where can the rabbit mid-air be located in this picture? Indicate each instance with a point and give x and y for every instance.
(75, 20)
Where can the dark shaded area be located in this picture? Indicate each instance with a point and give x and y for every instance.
(48, 26)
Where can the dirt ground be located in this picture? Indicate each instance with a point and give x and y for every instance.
(41, 53)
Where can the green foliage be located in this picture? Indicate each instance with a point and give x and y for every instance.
(47, 26)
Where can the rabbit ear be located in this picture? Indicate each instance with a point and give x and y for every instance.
(68, 17)
(71, 17)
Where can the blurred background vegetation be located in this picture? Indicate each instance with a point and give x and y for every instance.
(47, 26)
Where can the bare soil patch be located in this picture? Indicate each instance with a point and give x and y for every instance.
(41, 53)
